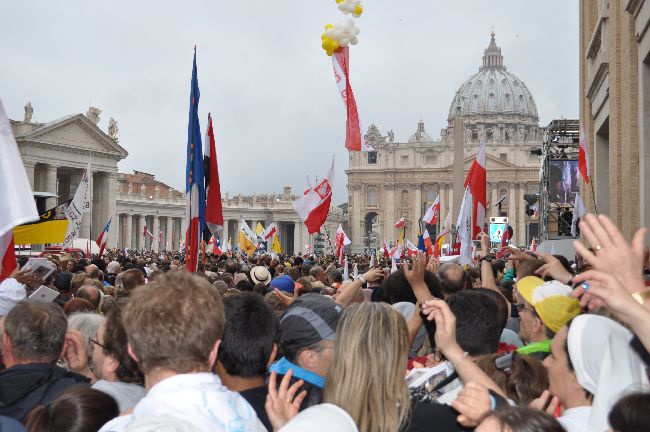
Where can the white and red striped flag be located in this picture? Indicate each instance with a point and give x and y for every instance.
(476, 181)
(103, 236)
(145, 231)
(354, 140)
(342, 240)
(17, 205)
(411, 249)
(386, 250)
(270, 231)
(314, 206)
(583, 157)
(400, 223)
(431, 216)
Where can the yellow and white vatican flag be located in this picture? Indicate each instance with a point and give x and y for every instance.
(79, 205)
(246, 239)
(16, 199)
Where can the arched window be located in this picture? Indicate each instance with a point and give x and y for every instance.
(504, 203)
(430, 196)
(405, 197)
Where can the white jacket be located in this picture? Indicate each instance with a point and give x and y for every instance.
(197, 398)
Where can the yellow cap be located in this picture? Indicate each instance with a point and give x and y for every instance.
(527, 285)
(555, 311)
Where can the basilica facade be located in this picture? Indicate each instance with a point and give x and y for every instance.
(403, 178)
(55, 155)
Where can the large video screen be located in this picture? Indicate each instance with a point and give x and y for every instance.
(563, 181)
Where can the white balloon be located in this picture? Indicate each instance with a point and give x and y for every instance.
(329, 33)
(350, 22)
(356, 30)
(354, 40)
(338, 34)
(345, 41)
(342, 7)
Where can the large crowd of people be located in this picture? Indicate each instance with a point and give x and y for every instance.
(517, 341)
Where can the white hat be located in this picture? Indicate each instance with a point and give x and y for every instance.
(321, 418)
(260, 274)
(605, 364)
(11, 292)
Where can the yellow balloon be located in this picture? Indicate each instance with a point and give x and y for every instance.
(323, 37)
(338, 1)
(358, 10)
(328, 26)
(335, 45)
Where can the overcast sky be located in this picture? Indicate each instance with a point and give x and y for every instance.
(264, 77)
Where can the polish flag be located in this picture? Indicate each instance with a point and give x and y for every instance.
(506, 236)
(427, 242)
(396, 252)
(476, 181)
(342, 240)
(431, 216)
(17, 205)
(411, 249)
(583, 157)
(146, 232)
(270, 231)
(354, 140)
(101, 240)
(400, 223)
(386, 250)
(213, 210)
(313, 207)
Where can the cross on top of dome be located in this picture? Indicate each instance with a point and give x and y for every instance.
(492, 58)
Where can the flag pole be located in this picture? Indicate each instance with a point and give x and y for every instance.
(593, 194)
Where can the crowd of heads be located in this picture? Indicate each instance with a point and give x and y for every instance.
(516, 341)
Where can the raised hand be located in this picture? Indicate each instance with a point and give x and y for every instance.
(282, 404)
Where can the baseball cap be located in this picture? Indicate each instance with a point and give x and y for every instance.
(308, 320)
(283, 283)
(260, 274)
(527, 285)
(551, 300)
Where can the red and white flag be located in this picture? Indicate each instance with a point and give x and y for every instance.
(396, 252)
(145, 231)
(213, 209)
(270, 231)
(476, 181)
(386, 250)
(354, 140)
(342, 240)
(411, 249)
(400, 223)
(103, 236)
(428, 244)
(583, 157)
(313, 207)
(17, 205)
(431, 216)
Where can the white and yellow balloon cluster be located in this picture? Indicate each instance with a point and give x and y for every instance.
(339, 35)
(352, 7)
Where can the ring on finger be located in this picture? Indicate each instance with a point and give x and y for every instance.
(597, 248)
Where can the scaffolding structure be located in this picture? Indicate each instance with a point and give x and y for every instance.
(561, 142)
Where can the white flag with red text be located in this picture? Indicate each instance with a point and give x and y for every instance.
(314, 206)
(342, 240)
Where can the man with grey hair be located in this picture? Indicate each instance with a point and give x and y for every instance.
(92, 294)
(33, 341)
(318, 273)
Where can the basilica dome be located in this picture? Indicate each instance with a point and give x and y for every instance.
(494, 90)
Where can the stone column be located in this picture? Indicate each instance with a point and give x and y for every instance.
(50, 185)
(29, 169)
(168, 234)
(128, 231)
(298, 245)
(389, 234)
(495, 198)
(156, 233)
(357, 202)
(225, 233)
(140, 240)
(521, 216)
(110, 199)
(512, 207)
